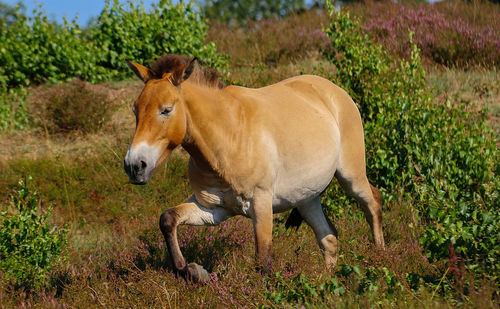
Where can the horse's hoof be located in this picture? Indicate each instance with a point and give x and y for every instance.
(197, 273)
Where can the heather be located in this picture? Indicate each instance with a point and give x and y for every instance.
(450, 33)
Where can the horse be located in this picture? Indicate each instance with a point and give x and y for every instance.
(253, 152)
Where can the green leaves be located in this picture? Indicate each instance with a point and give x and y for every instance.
(302, 289)
(34, 50)
(441, 156)
(29, 247)
(135, 33)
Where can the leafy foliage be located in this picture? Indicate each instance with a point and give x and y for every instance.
(442, 157)
(13, 111)
(35, 50)
(302, 289)
(29, 247)
(134, 33)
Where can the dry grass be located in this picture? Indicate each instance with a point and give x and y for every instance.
(479, 88)
(271, 42)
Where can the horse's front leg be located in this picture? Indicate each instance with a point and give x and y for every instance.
(262, 217)
(188, 213)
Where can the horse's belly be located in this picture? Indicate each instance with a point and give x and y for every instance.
(302, 184)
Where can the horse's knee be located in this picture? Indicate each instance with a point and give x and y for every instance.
(168, 221)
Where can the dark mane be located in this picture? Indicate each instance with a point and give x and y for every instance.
(203, 76)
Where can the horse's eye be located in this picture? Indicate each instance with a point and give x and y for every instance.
(166, 110)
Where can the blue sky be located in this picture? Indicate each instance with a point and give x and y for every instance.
(56, 9)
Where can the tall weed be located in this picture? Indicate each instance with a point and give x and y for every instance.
(441, 157)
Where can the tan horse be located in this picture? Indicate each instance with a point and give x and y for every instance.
(254, 152)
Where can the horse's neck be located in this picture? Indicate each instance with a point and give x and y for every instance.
(212, 135)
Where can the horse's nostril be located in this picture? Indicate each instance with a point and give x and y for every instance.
(143, 164)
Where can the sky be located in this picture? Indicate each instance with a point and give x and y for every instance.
(56, 9)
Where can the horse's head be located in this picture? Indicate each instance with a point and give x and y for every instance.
(160, 120)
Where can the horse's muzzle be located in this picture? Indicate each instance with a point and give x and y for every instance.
(138, 172)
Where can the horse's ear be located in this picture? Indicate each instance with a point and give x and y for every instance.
(184, 72)
(141, 71)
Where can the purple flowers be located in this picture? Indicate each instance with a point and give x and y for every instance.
(444, 38)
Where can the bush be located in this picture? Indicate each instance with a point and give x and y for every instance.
(75, 106)
(134, 33)
(35, 50)
(29, 247)
(13, 111)
(441, 157)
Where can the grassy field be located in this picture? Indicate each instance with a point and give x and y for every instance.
(116, 253)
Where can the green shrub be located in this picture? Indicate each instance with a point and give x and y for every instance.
(441, 157)
(301, 289)
(29, 247)
(134, 33)
(75, 106)
(35, 50)
(13, 111)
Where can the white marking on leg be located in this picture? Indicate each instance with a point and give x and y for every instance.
(199, 215)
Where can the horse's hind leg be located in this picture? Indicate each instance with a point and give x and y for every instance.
(189, 213)
(325, 232)
(369, 197)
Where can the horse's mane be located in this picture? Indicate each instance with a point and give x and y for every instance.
(202, 76)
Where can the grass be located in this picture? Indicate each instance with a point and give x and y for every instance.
(116, 251)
